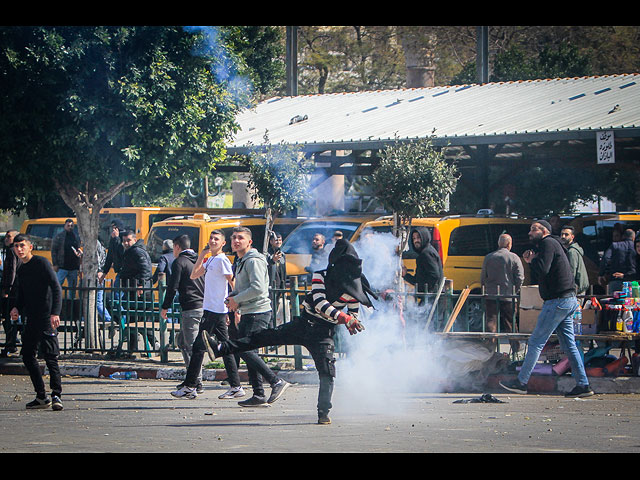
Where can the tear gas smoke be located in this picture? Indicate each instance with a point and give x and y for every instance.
(395, 356)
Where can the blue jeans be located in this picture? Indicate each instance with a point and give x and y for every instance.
(70, 275)
(556, 315)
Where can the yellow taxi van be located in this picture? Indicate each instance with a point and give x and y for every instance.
(140, 219)
(200, 225)
(461, 240)
(596, 231)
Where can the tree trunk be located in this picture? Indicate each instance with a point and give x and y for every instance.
(87, 206)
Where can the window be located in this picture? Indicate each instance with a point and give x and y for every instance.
(104, 233)
(470, 241)
(158, 234)
(518, 232)
(299, 241)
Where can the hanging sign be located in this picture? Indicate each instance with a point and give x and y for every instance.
(605, 145)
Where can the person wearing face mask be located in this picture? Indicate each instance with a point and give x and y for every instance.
(340, 285)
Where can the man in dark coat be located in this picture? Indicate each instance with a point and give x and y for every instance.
(10, 264)
(428, 263)
(136, 273)
(619, 262)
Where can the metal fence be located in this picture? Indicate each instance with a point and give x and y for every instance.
(119, 321)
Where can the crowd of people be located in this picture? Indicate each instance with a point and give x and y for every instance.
(226, 309)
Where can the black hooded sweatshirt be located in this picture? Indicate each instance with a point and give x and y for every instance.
(190, 292)
(428, 264)
(551, 269)
(136, 266)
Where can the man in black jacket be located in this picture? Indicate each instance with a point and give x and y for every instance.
(428, 263)
(136, 275)
(550, 269)
(10, 264)
(190, 296)
(39, 300)
(619, 263)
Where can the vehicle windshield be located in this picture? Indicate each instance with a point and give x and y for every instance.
(159, 234)
(299, 241)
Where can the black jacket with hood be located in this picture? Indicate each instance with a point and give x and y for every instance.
(428, 264)
(190, 292)
(136, 266)
(551, 270)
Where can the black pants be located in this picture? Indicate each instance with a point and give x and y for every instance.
(258, 371)
(318, 339)
(37, 340)
(215, 323)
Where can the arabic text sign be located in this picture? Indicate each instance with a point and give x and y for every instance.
(605, 145)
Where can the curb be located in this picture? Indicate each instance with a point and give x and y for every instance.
(538, 384)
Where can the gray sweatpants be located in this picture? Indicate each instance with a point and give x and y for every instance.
(189, 328)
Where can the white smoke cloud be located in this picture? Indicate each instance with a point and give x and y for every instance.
(395, 356)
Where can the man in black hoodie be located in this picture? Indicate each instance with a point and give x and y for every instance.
(428, 264)
(136, 274)
(190, 295)
(550, 269)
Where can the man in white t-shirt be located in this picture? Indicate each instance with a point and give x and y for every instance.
(218, 276)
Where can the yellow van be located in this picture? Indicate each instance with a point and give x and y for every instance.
(140, 219)
(461, 240)
(200, 225)
(595, 233)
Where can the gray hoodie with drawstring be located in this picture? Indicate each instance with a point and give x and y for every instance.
(251, 290)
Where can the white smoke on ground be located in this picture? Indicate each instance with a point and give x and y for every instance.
(395, 355)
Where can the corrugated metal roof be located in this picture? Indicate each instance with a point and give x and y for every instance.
(452, 112)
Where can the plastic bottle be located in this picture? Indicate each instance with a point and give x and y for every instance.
(124, 375)
(619, 323)
(627, 321)
(577, 322)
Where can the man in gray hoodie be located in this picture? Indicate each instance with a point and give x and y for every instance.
(250, 297)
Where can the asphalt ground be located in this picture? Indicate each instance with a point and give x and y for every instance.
(140, 416)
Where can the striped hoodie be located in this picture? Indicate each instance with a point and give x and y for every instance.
(317, 308)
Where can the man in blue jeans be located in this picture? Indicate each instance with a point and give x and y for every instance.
(550, 268)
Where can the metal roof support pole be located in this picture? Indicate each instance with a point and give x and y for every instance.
(482, 158)
(292, 61)
(482, 54)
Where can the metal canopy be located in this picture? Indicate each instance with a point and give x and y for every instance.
(488, 124)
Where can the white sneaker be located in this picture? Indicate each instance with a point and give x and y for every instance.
(185, 392)
(233, 392)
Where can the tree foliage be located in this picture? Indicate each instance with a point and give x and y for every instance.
(413, 178)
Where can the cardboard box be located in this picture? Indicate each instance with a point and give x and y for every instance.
(589, 316)
(528, 319)
(530, 297)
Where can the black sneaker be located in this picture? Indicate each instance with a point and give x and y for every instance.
(515, 386)
(254, 402)
(56, 403)
(211, 344)
(39, 403)
(580, 391)
(323, 419)
(200, 388)
(277, 390)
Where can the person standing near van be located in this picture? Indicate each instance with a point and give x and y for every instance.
(39, 301)
(551, 271)
(115, 251)
(10, 264)
(429, 270)
(250, 297)
(618, 264)
(503, 273)
(576, 259)
(65, 254)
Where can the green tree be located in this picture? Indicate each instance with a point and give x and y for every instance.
(89, 111)
(413, 180)
(279, 177)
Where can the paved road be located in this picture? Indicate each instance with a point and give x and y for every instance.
(103, 415)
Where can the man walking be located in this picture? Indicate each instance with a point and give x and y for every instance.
(65, 255)
(39, 300)
(10, 264)
(502, 274)
(190, 296)
(550, 269)
(576, 259)
(250, 297)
